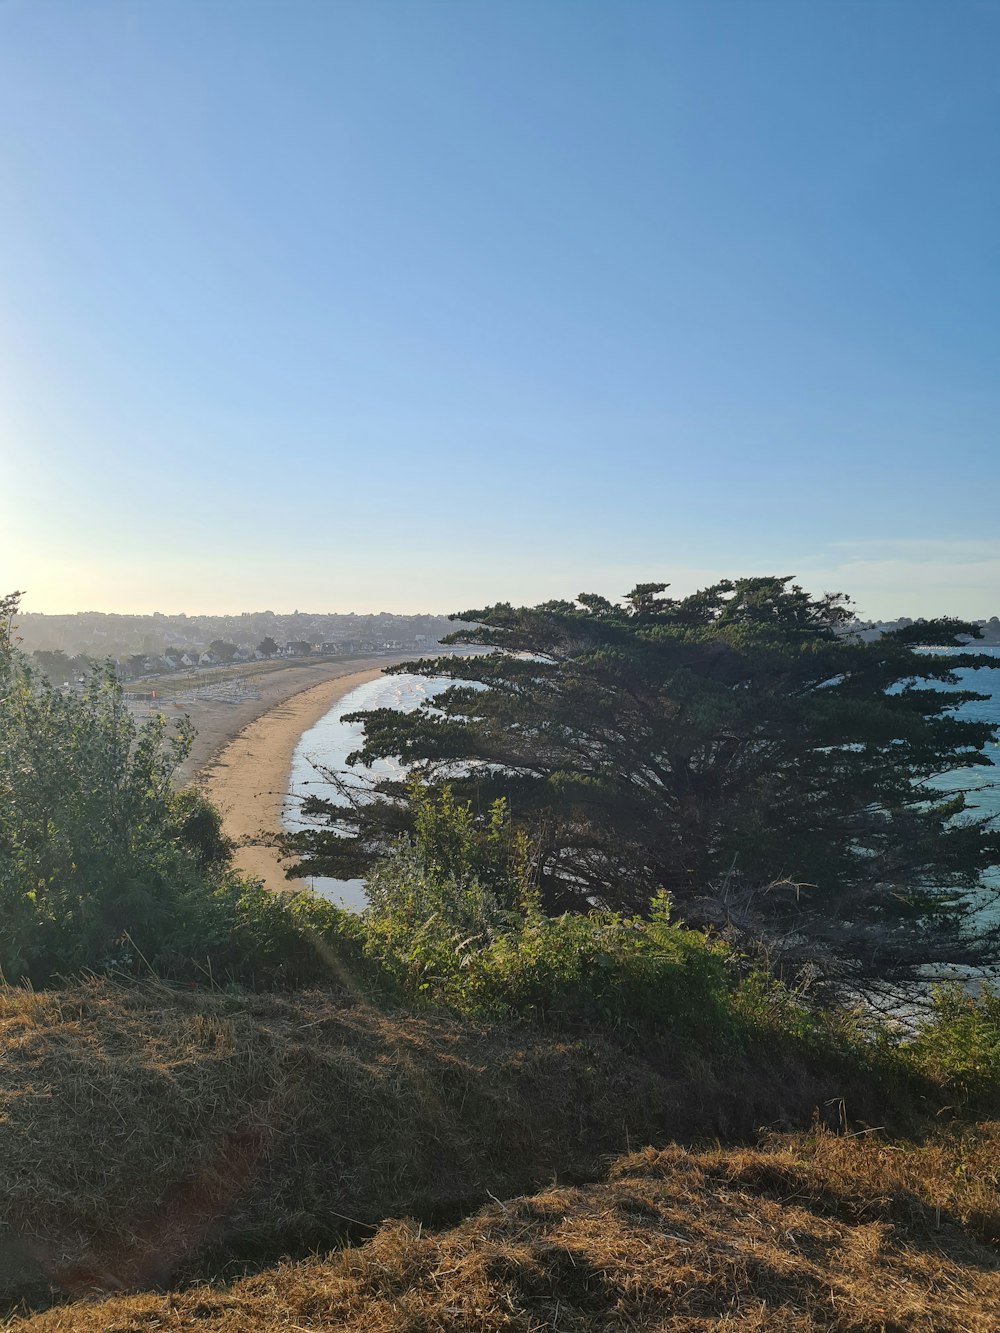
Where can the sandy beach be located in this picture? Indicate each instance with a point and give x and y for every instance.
(242, 756)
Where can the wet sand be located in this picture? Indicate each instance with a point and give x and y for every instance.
(243, 753)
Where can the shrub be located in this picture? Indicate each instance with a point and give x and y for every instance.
(444, 937)
(604, 968)
(105, 867)
(959, 1046)
(199, 828)
(453, 919)
(456, 886)
(94, 846)
(270, 941)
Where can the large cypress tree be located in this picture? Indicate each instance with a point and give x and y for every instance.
(741, 748)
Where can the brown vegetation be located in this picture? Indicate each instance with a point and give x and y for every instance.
(150, 1135)
(145, 1131)
(142, 1128)
(826, 1233)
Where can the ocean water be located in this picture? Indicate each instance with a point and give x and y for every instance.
(324, 749)
(327, 745)
(982, 785)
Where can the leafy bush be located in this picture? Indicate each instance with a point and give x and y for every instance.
(445, 937)
(605, 968)
(105, 866)
(959, 1046)
(94, 846)
(453, 919)
(452, 890)
(244, 933)
(199, 828)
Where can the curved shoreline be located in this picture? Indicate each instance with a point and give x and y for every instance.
(246, 773)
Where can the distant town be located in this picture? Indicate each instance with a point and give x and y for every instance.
(65, 646)
(872, 629)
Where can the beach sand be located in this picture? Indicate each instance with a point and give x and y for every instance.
(242, 755)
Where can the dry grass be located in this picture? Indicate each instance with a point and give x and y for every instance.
(146, 1133)
(150, 1136)
(806, 1234)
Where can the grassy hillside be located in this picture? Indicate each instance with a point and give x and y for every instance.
(149, 1134)
(155, 1136)
(144, 1131)
(820, 1232)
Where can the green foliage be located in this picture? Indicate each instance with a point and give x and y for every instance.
(8, 609)
(453, 920)
(645, 975)
(450, 941)
(243, 933)
(734, 739)
(453, 888)
(435, 934)
(959, 1047)
(451, 842)
(90, 846)
(104, 866)
(199, 827)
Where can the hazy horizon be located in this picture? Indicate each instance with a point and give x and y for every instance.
(301, 607)
(405, 305)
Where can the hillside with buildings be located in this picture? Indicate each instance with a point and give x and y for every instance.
(157, 643)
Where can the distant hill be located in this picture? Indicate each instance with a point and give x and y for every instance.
(100, 634)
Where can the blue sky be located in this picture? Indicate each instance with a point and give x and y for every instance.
(422, 305)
